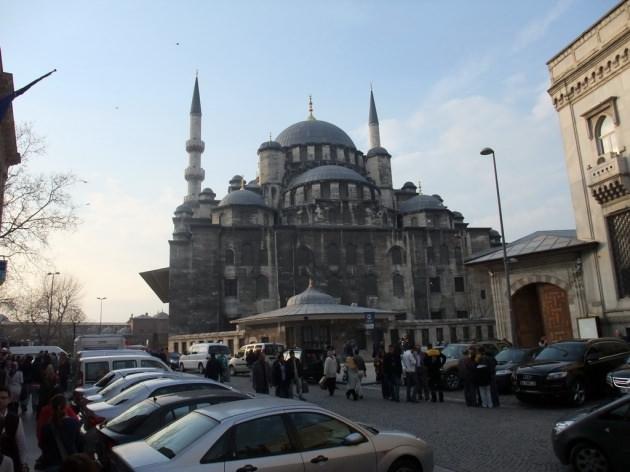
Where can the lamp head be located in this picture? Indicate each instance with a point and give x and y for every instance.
(486, 151)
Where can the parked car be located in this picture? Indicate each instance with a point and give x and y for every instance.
(312, 361)
(92, 369)
(238, 363)
(267, 434)
(153, 414)
(198, 356)
(508, 360)
(455, 351)
(95, 413)
(596, 438)
(619, 380)
(173, 360)
(107, 379)
(572, 370)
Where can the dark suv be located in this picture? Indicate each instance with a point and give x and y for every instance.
(570, 370)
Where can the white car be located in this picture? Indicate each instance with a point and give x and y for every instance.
(96, 413)
(238, 363)
(272, 434)
(108, 379)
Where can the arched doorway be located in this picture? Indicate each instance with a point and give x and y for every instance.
(541, 309)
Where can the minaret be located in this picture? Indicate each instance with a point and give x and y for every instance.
(375, 135)
(194, 174)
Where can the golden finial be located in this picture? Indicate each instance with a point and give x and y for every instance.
(310, 108)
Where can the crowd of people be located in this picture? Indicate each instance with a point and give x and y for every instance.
(285, 375)
(41, 383)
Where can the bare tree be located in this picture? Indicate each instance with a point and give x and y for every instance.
(47, 307)
(35, 205)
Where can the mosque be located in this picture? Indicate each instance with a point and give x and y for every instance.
(322, 214)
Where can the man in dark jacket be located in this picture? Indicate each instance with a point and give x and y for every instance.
(392, 369)
(261, 374)
(282, 377)
(213, 367)
(434, 360)
(466, 371)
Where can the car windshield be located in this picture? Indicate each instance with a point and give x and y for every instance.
(562, 352)
(105, 380)
(510, 355)
(126, 394)
(171, 440)
(454, 351)
(128, 421)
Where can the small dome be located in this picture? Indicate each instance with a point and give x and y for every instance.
(435, 195)
(184, 208)
(314, 132)
(236, 179)
(207, 193)
(421, 203)
(243, 198)
(329, 172)
(161, 316)
(311, 296)
(458, 216)
(378, 151)
(270, 145)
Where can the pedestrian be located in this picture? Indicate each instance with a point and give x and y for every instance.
(392, 367)
(353, 378)
(48, 386)
(491, 362)
(27, 379)
(466, 371)
(250, 358)
(434, 360)
(330, 372)
(261, 374)
(295, 367)
(281, 377)
(409, 372)
(60, 437)
(482, 377)
(213, 367)
(422, 375)
(63, 371)
(15, 380)
(362, 369)
(224, 376)
(12, 439)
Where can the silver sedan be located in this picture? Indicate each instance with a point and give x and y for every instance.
(271, 434)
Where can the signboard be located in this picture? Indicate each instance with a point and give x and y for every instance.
(3, 270)
(368, 319)
(588, 327)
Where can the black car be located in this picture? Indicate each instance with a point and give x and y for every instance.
(595, 439)
(570, 370)
(507, 361)
(619, 380)
(151, 415)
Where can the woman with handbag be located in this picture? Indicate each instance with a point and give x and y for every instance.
(60, 437)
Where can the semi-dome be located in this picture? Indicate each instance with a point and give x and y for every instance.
(329, 172)
(242, 197)
(311, 296)
(314, 132)
(420, 203)
(270, 145)
(378, 151)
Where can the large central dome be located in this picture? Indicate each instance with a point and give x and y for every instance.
(314, 132)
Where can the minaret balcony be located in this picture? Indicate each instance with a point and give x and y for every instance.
(195, 145)
(609, 180)
(194, 173)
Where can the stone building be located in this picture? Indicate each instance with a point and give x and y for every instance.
(319, 209)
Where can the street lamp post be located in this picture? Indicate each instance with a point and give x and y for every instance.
(485, 152)
(100, 318)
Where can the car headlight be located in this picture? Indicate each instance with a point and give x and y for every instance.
(561, 426)
(504, 372)
(557, 375)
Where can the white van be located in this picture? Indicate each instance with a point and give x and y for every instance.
(198, 355)
(34, 350)
(99, 341)
(111, 352)
(238, 364)
(91, 369)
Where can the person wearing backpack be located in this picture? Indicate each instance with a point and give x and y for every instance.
(434, 360)
(60, 437)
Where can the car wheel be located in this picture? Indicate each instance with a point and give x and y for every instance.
(452, 380)
(232, 371)
(200, 368)
(405, 465)
(181, 367)
(586, 457)
(577, 393)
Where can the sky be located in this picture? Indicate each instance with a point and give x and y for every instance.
(449, 78)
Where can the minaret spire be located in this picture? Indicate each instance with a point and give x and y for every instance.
(374, 132)
(194, 174)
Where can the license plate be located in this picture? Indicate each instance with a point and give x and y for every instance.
(528, 383)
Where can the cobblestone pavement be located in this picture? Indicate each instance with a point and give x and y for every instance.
(511, 438)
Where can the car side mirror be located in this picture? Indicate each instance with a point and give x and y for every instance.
(353, 439)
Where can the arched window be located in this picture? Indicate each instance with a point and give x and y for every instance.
(368, 254)
(332, 254)
(262, 287)
(399, 285)
(371, 285)
(229, 257)
(351, 254)
(605, 134)
(396, 255)
(304, 256)
(247, 256)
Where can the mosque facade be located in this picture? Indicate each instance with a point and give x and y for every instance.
(322, 212)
